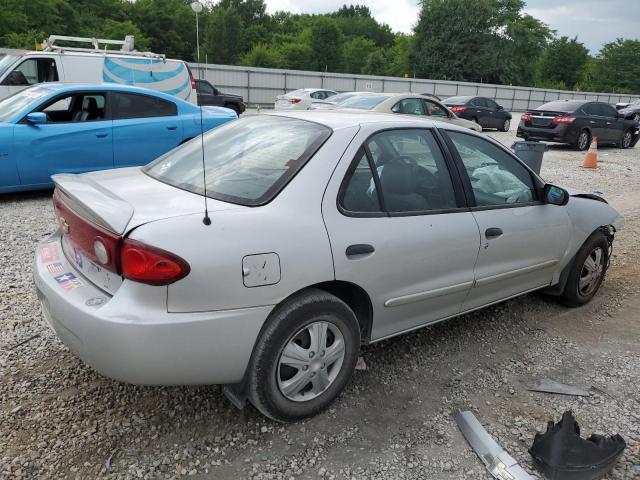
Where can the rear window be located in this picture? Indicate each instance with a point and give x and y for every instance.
(134, 105)
(456, 100)
(365, 102)
(561, 106)
(247, 161)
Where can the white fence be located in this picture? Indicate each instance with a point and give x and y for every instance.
(259, 86)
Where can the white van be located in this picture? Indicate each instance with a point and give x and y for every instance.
(20, 69)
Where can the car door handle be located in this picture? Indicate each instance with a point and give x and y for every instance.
(172, 127)
(101, 134)
(493, 232)
(359, 249)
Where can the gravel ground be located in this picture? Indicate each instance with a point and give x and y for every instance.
(58, 418)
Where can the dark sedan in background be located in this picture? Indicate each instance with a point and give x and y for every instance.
(576, 122)
(208, 95)
(630, 110)
(484, 111)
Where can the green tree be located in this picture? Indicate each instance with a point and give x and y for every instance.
(563, 61)
(355, 52)
(326, 44)
(376, 63)
(617, 67)
(223, 36)
(261, 55)
(296, 56)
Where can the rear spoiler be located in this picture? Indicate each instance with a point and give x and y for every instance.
(92, 201)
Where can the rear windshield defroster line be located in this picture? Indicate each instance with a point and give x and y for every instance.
(248, 161)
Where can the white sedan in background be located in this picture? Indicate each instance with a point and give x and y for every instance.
(302, 98)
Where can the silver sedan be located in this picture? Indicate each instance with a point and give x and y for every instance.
(306, 236)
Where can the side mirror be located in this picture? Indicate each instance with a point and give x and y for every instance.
(500, 107)
(555, 195)
(37, 118)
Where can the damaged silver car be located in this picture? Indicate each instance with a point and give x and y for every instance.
(305, 236)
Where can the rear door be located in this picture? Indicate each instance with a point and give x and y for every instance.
(595, 121)
(144, 127)
(522, 239)
(478, 107)
(614, 126)
(496, 116)
(399, 228)
(76, 138)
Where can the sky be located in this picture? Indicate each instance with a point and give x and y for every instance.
(595, 22)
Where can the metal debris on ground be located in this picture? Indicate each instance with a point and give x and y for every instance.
(547, 385)
(500, 464)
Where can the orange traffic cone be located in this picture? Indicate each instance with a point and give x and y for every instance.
(591, 158)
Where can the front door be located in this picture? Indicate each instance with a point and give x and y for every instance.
(29, 72)
(207, 94)
(144, 127)
(522, 239)
(399, 229)
(75, 139)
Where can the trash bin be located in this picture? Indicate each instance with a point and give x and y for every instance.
(530, 153)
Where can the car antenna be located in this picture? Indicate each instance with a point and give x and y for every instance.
(206, 220)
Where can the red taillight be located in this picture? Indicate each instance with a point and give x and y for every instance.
(97, 243)
(457, 108)
(525, 117)
(151, 265)
(295, 100)
(564, 119)
(193, 80)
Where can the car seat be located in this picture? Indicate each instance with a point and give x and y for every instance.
(399, 186)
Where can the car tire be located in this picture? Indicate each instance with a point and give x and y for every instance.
(233, 107)
(636, 117)
(626, 140)
(505, 125)
(285, 351)
(583, 140)
(587, 271)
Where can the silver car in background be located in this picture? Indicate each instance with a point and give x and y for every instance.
(302, 98)
(421, 106)
(323, 231)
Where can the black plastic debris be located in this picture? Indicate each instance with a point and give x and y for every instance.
(562, 454)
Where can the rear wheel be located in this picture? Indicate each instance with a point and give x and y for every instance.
(505, 125)
(304, 357)
(475, 120)
(636, 117)
(587, 272)
(627, 138)
(584, 140)
(233, 107)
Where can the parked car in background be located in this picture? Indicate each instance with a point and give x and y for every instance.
(96, 65)
(54, 128)
(302, 98)
(630, 110)
(431, 95)
(335, 100)
(210, 95)
(328, 231)
(408, 104)
(481, 110)
(576, 122)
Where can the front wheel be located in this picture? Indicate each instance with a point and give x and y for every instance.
(627, 138)
(636, 117)
(587, 271)
(505, 125)
(304, 357)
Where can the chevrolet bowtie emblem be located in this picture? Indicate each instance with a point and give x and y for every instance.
(64, 225)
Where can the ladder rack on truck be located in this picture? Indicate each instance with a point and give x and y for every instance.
(49, 45)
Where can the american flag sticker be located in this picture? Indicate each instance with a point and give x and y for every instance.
(48, 252)
(55, 267)
(69, 281)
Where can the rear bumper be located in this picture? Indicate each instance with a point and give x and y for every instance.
(559, 134)
(132, 338)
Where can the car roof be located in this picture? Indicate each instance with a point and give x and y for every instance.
(345, 118)
(461, 98)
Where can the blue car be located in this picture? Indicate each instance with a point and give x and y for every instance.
(56, 128)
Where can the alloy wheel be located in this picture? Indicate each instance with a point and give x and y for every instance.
(636, 117)
(583, 140)
(592, 271)
(310, 361)
(626, 140)
(506, 125)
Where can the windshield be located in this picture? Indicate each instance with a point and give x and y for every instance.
(5, 62)
(365, 102)
(10, 106)
(248, 161)
(340, 97)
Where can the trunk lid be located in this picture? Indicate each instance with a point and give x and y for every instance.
(544, 118)
(104, 206)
